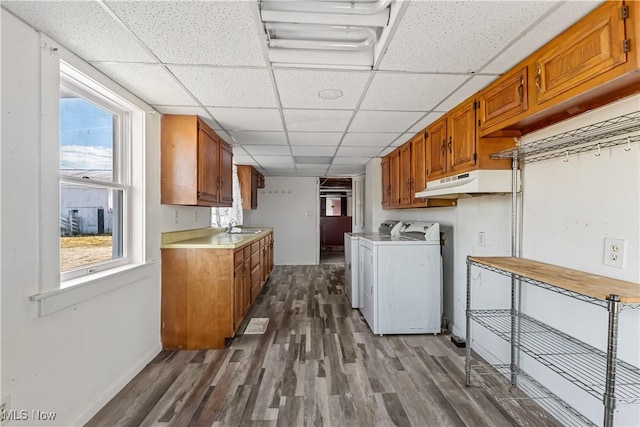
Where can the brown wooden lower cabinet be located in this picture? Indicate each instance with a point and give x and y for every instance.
(207, 292)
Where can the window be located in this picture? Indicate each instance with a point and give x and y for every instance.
(95, 186)
(222, 217)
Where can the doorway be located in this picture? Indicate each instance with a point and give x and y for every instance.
(335, 218)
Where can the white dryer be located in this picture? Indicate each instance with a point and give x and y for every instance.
(351, 259)
(402, 280)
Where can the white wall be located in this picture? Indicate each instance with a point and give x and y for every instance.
(74, 360)
(291, 206)
(568, 210)
(188, 217)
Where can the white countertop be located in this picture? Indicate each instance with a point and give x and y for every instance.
(219, 240)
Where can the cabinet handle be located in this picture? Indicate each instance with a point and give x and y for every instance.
(538, 73)
(521, 89)
(450, 144)
(444, 142)
(411, 182)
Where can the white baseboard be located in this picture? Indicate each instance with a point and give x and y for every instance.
(100, 401)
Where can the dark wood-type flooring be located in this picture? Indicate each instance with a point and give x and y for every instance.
(318, 364)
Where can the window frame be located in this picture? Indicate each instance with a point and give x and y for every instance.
(77, 83)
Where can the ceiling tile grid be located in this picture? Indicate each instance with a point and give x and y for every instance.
(426, 121)
(268, 150)
(309, 150)
(315, 138)
(264, 138)
(301, 88)
(195, 32)
(475, 84)
(368, 139)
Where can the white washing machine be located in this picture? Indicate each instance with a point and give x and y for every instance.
(402, 280)
(351, 259)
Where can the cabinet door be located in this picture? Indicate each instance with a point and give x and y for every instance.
(405, 174)
(238, 306)
(589, 49)
(386, 182)
(208, 160)
(503, 99)
(226, 175)
(418, 165)
(461, 148)
(436, 148)
(254, 188)
(394, 178)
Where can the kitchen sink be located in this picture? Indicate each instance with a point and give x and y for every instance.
(244, 231)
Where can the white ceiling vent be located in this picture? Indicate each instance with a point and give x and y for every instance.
(325, 34)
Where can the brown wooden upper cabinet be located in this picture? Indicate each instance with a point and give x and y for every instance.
(386, 182)
(405, 182)
(451, 141)
(505, 98)
(196, 165)
(589, 49)
(418, 163)
(250, 180)
(394, 178)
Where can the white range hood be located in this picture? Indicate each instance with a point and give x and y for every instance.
(469, 184)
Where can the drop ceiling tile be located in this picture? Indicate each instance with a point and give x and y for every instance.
(383, 121)
(264, 138)
(228, 87)
(243, 160)
(196, 32)
(317, 120)
(280, 172)
(250, 119)
(426, 121)
(552, 25)
(457, 36)
(274, 160)
(144, 80)
(368, 139)
(475, 84)
(182, 110)
(402, 139)
(345, 170)
(358, 151)
(226, 137)
(351, 160)
(386, 151)
(268, 150)
(300, 88)
(409, 92)
(309, 150)
(84, 27)
(239, 151)
(278, 165)
(315, 138)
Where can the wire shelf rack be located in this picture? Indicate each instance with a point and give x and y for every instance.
(547, 400)
(604, 134)
(566, 292)
(580, 363)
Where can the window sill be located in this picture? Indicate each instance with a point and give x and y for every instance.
(72, 292)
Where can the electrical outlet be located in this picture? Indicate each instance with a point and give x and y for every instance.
(175, 216)
(5, 407)
(481, 240)
(614, 252)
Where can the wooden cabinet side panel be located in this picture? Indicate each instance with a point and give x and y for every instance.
(386, 184)
(587, 50)
(394, 179)
(173, 309)
(210, 311)
(178, 160)
(244, 177)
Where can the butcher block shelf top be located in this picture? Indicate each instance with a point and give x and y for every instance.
(579, 282)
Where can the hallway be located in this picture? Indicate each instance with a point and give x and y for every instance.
(318, 364)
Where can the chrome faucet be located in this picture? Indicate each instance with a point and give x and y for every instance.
(230, 226)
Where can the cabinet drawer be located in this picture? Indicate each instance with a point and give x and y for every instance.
(247, 252)
(238, 257)
(255, 247)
